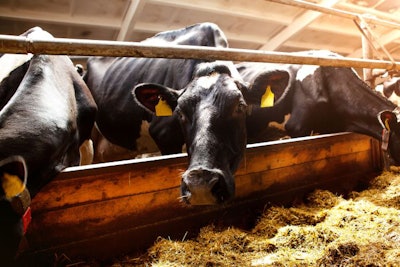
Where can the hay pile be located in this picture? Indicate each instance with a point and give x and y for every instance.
(326, 230)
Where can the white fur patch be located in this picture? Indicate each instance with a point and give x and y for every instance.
(306, 71)
(10, 62)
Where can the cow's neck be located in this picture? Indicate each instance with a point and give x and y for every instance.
(371, 126)
(359, 109)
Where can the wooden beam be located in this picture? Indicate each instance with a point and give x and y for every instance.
(44, 16)
(237, 11)
(104, 210)
(384, 40)
(370, 11)
(230, 10)
(336, 12)
(295, 27)
(130, 18)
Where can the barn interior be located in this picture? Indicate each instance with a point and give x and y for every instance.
(272, 25)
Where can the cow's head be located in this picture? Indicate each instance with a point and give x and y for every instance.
(391, 133)
(212, 112)
(14, 206)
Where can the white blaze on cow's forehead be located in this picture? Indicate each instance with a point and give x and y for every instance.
(56, 105)
(208, 81)
(305, 70)
(10, 62)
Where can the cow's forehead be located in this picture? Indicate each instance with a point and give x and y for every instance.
(212, 85)
(214, 90)
(305, 71)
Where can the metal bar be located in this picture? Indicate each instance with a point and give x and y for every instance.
(74, 47)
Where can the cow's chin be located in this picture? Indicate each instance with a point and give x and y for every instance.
(202, 186)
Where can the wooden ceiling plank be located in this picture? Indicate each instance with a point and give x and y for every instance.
(66, 19)
(229, 10)
(384, 40)
(128, 23)
(296, 26)
(256, 15)
(365, 10)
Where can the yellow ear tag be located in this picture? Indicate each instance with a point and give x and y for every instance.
(387, 124)
(12, 185)
(163, 109)
(267, 100)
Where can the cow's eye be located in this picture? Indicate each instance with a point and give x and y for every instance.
(241, 107)
(181, 115)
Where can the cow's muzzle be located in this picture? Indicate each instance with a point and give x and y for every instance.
(205, 187)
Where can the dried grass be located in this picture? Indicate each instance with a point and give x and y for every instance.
(326, 230)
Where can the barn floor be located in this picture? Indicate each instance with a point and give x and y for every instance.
(324, 230)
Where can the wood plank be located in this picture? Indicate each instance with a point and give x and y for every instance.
(137, 210)
(108, 181)
(86, 208)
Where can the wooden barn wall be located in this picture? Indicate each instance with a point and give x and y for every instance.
(104, 210)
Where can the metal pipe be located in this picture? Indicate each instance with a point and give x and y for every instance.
(73, 47)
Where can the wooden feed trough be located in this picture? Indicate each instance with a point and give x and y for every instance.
(105, 210)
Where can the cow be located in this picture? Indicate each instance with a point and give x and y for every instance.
(14, 207)
(111, 80)
(46, 112)
(327, 100)
(211, 111)
(390, 89)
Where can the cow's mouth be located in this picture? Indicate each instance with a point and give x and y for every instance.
(204, 187)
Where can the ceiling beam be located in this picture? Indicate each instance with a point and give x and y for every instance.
(238, 12)
(371, 11)
(230, 10)
(57, 18)
(295, 27)
(130, 18)
(126, 25)
(383, 40)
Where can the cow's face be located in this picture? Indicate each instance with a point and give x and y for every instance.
(212, 112)
(389, 122)
(14, 200)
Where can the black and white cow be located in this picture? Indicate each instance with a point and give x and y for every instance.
(212, 112)
(46, 112)
(327, 100)
(390, 89)
(111, 81)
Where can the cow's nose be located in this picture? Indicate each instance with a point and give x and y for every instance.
(204, 187)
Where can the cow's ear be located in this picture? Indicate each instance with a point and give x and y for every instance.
(13, 176)
(268, 88)
(156, 98)
(388, 120)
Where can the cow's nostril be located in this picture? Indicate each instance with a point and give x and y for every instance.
(217, 190)
(213, 181)
(185, 193)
